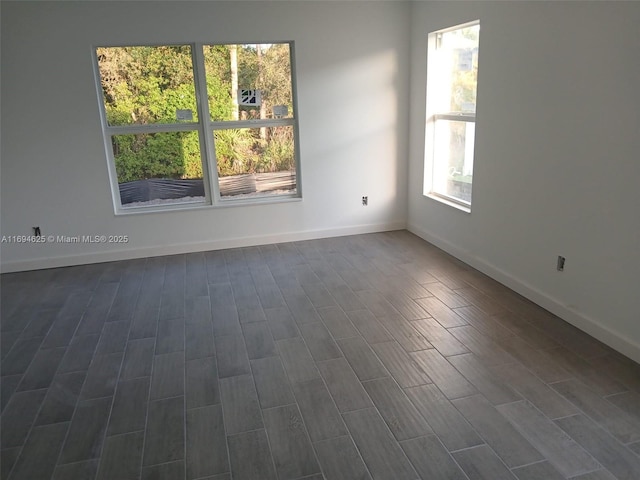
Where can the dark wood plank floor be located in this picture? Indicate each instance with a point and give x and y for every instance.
(363, 357)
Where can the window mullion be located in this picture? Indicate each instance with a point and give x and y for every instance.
(207, 146)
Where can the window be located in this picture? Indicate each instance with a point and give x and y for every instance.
(198, 124)
(452, 78)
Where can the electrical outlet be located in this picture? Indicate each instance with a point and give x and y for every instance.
(560, 265)
(365, 201)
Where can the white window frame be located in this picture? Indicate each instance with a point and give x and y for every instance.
(205, 128)
(434, 114)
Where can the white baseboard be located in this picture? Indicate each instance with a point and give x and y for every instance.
(155, 251)
(589, 325)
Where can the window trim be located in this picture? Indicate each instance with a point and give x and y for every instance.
(432, 116)
(205, 128)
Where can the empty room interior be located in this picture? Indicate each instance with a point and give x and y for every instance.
(306, 240)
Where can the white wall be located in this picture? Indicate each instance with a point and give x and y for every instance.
(558, 137)
(353, 75)
(557, 168)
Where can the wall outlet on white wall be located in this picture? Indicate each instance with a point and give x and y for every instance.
(560, 265)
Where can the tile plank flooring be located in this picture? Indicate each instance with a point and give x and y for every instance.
(363, 357)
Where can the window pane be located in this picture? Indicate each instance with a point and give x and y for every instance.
(453, 154)
(249, 81)
(147, 85)
(256, 161)
(460, 47)
(158, 168)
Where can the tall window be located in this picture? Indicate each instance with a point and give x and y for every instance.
(452, 78)
(198, 124)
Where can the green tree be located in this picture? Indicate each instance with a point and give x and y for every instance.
(146, 85)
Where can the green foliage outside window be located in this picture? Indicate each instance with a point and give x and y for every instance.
(146, 85)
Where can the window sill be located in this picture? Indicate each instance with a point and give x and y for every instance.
(438, 198)
(205, 206)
